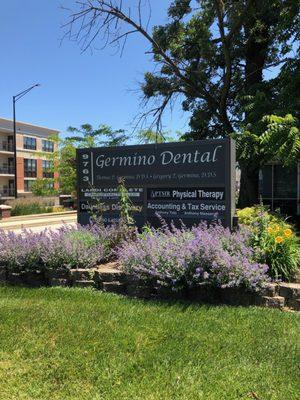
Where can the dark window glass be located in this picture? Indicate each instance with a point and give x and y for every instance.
(47, 169)
(267, 202)
(28, 186)
(29, 143)
(285, 182)
(287, 207)
(265, 181)
(30, 168)
(48, 145)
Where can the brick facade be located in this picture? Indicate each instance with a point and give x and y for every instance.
(20, 173)
(39, 169)
(31, 143)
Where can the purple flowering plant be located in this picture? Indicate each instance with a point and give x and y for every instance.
(72, 247)
(170, 256)
(112, 236)
(181, 257)
(21, 252)
(65, 248)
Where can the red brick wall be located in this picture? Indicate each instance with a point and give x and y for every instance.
(39, 169)
(20, 173)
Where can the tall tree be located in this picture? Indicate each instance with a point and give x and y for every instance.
(64, 159)
(146, 136)
(67, 166)
(84, 136)
(212, 55)
(104, 135)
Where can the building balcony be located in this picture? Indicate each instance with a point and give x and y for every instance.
(6, 146)
(6, 192)
(6, 169)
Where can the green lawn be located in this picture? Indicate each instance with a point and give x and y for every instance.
(80, 344)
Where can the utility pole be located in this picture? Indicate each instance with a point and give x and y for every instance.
(15, 99)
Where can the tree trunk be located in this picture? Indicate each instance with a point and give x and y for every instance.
(256, 51)
(248, 188)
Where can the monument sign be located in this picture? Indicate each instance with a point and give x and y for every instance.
(187, 181)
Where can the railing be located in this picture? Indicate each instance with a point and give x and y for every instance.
(30, 174)
(5, 192)
(29, 146)
(7, 169)
(6, 146)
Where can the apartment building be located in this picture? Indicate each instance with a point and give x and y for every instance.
(33, 142)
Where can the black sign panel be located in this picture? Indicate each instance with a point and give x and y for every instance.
(188, 181)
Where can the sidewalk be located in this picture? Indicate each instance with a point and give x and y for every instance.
(38, 222)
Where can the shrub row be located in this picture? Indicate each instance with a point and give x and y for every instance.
(180, 258)
(66, 248)
(31, 205)
(177, 258)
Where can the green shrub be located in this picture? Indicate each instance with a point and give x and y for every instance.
(31, 205)
(274, 239)
(87, 238)
(27, 209)
(251, 215)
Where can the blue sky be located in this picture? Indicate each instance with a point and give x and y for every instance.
(75, 88)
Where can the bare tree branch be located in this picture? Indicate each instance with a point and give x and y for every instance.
(100, 9)
(108, 20)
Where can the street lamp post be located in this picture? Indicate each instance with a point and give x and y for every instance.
(15, 99)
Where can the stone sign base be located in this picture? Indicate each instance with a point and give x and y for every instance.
(5, 211)
(109, 278)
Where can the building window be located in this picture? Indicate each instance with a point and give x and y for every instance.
(285, 182)
(278, 188)
(48, 145)
(28, 186)
(30, 168)
(47, 169)
(50, 185)
(29, 143)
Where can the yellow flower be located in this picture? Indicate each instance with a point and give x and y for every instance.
(276, 228)
(288, 232)
(279, 239)
(270, 229)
